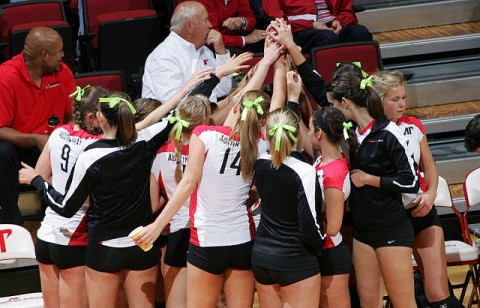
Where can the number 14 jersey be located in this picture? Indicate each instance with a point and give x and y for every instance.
(219, 215)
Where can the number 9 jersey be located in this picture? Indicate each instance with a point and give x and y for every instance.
(65, 145)
(219, 215)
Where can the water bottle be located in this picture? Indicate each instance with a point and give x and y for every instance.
(53, 122)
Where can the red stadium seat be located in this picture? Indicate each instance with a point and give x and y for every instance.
(123, 33)
(18, 18)
(325, 58)
(110, 80)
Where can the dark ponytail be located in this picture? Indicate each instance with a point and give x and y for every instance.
(347, 85)
(121, 116)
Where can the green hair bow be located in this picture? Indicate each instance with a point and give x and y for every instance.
(359, 65)
(249, 104)
(277, 131)
(366, 82)
(181, 124)
(79, 93)
(114, 101)
(346, 127)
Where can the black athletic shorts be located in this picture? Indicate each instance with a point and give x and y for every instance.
(63, 257)
(216, 260)
(401, 236)
(336, 260)
(177, 247)
(283, 278)
(112, 259)
(422, 223)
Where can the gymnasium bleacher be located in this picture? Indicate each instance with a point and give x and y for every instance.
(439, 42)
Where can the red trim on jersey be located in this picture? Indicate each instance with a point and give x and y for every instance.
(414, 121)
(80, 235)
(369, 126)
(193, 208)
(170, 147)
(328, 243)
(81, 133)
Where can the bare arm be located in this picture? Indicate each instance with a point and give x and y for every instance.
(22, 140)
(425, 201)
(43, 166)
(335, 207)
(172, 103)
(154, 194)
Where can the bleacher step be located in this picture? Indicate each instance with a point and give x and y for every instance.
(30, 204)
(424, 14)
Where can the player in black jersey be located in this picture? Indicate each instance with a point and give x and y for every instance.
(381, 170)
(289, 238)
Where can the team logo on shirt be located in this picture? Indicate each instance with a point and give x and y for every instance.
(205, 61)
(52, 85)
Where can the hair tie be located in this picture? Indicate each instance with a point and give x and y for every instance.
(248, 104)
(346, 127)
(79, 93)
(366, 82)
(357, 64)
(114, 101)
(181, 124)
(277, 131)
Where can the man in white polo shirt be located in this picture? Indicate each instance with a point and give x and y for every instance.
(183, 53)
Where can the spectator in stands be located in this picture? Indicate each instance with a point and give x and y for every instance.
(183, 53)
(236, 22)
(472, 135)
(34, 85)
(319, 22)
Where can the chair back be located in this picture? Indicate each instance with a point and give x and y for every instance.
(15, 243)
(28, 14)
(471, 188)
(325, 58)
(110, 80)
(93, 8)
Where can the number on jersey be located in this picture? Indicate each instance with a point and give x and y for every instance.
(65, 157)
(235, 164)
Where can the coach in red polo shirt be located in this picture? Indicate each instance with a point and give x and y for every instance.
(34, 85)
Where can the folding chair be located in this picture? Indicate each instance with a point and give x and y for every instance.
(471, 189)
(19, 18)
(110, 80)
(16, 243)
(325, 58)
(459, 252)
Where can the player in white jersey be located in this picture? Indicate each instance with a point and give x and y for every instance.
(167, 170)
(218, 178)
(60, 245)
(429, 245)
(327, 130)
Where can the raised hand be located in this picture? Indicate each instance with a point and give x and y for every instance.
(294, 86)
(198, 77)
(26, 174)
(235, 63)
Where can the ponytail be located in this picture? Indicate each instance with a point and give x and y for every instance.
(119, 112)
(283, 127)
(254, 105)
